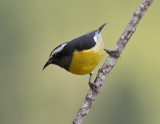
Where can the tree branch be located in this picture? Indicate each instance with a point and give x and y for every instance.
(111, 61)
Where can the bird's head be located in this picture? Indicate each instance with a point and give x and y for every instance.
(55, 55)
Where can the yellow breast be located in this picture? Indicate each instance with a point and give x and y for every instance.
(83, 62)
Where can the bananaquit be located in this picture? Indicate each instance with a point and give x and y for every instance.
(80, 55)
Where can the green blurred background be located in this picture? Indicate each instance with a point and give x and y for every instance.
(31, 29)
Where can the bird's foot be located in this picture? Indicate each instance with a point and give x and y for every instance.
(113, 53)
(92, 85)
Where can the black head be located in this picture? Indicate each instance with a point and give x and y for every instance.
(56, 55)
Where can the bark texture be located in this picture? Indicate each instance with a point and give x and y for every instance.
(111, 61)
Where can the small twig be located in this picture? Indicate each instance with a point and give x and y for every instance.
(111, 61)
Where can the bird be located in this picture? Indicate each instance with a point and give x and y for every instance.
(81, 55)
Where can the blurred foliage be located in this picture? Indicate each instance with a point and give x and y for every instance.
(30, 29)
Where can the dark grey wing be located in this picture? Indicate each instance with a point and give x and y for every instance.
(81, 43)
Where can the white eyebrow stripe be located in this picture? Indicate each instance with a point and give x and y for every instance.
(58, 49)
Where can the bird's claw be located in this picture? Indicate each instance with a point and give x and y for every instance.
(113, 53)
(93, 86)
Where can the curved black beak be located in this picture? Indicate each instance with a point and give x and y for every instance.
(47, 63)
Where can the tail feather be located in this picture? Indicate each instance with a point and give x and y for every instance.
(101, 27)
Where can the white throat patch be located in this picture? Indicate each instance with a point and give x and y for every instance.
(58, 49)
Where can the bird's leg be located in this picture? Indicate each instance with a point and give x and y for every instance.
(92, 85)
(112, 53)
